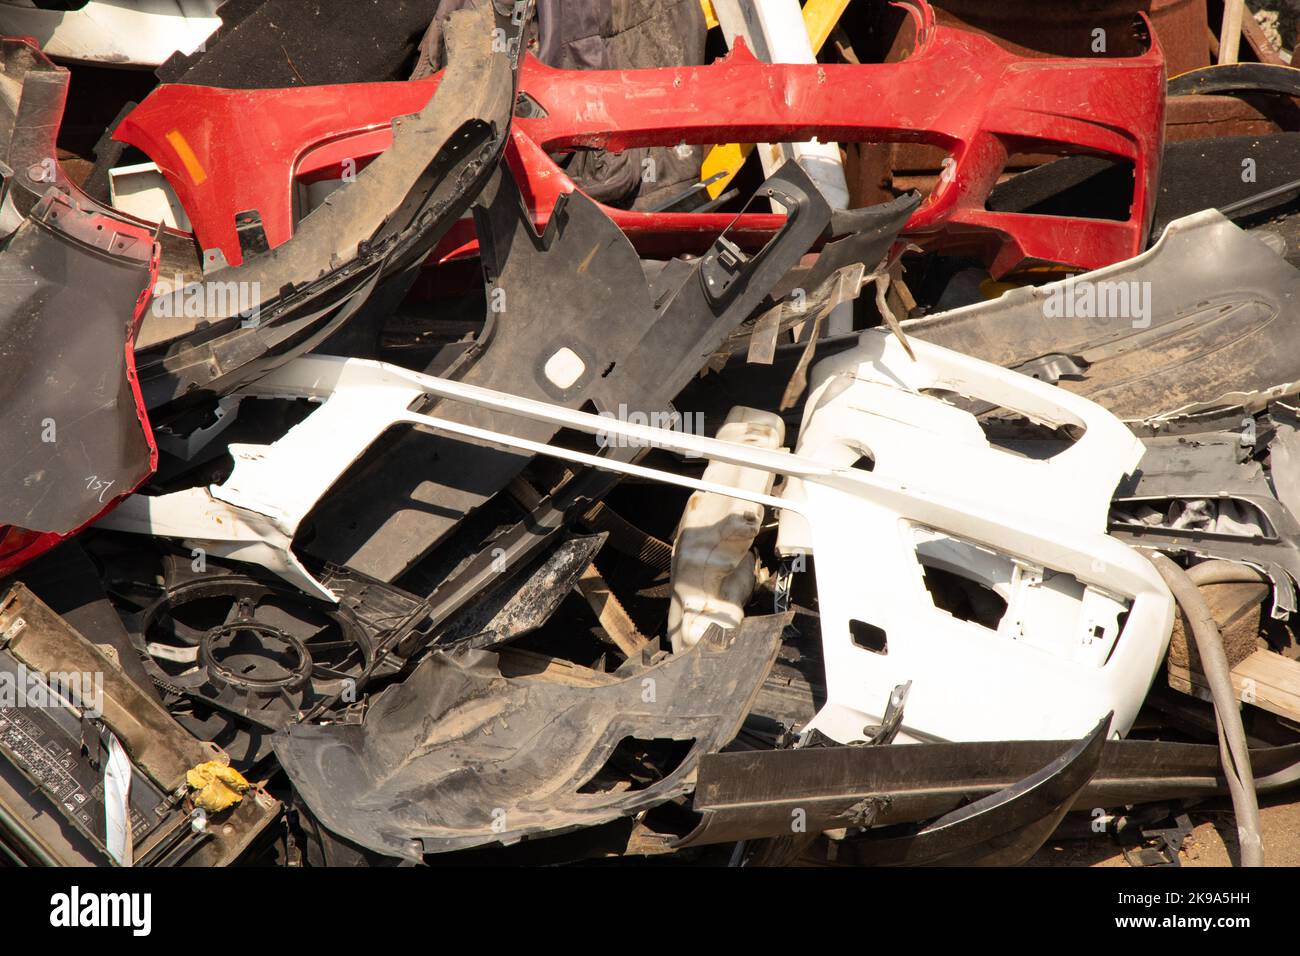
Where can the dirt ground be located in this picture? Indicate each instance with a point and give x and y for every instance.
(1213, 842)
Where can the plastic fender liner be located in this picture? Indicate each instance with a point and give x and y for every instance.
(220, 326)
(958, 90)
(453, 758)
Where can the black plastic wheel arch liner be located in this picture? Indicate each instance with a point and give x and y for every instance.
(459, 756)
(375, 229)
(75, 435)
(1222, 314)
(750, 794)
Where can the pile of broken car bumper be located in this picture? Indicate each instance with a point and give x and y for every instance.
(403, 501)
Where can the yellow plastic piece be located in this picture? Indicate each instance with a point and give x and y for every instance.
(726, 159)
(710, 18)
(819, 19)
(218, 787)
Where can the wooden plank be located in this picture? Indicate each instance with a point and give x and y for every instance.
(1259, 43)
(1266, 680)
